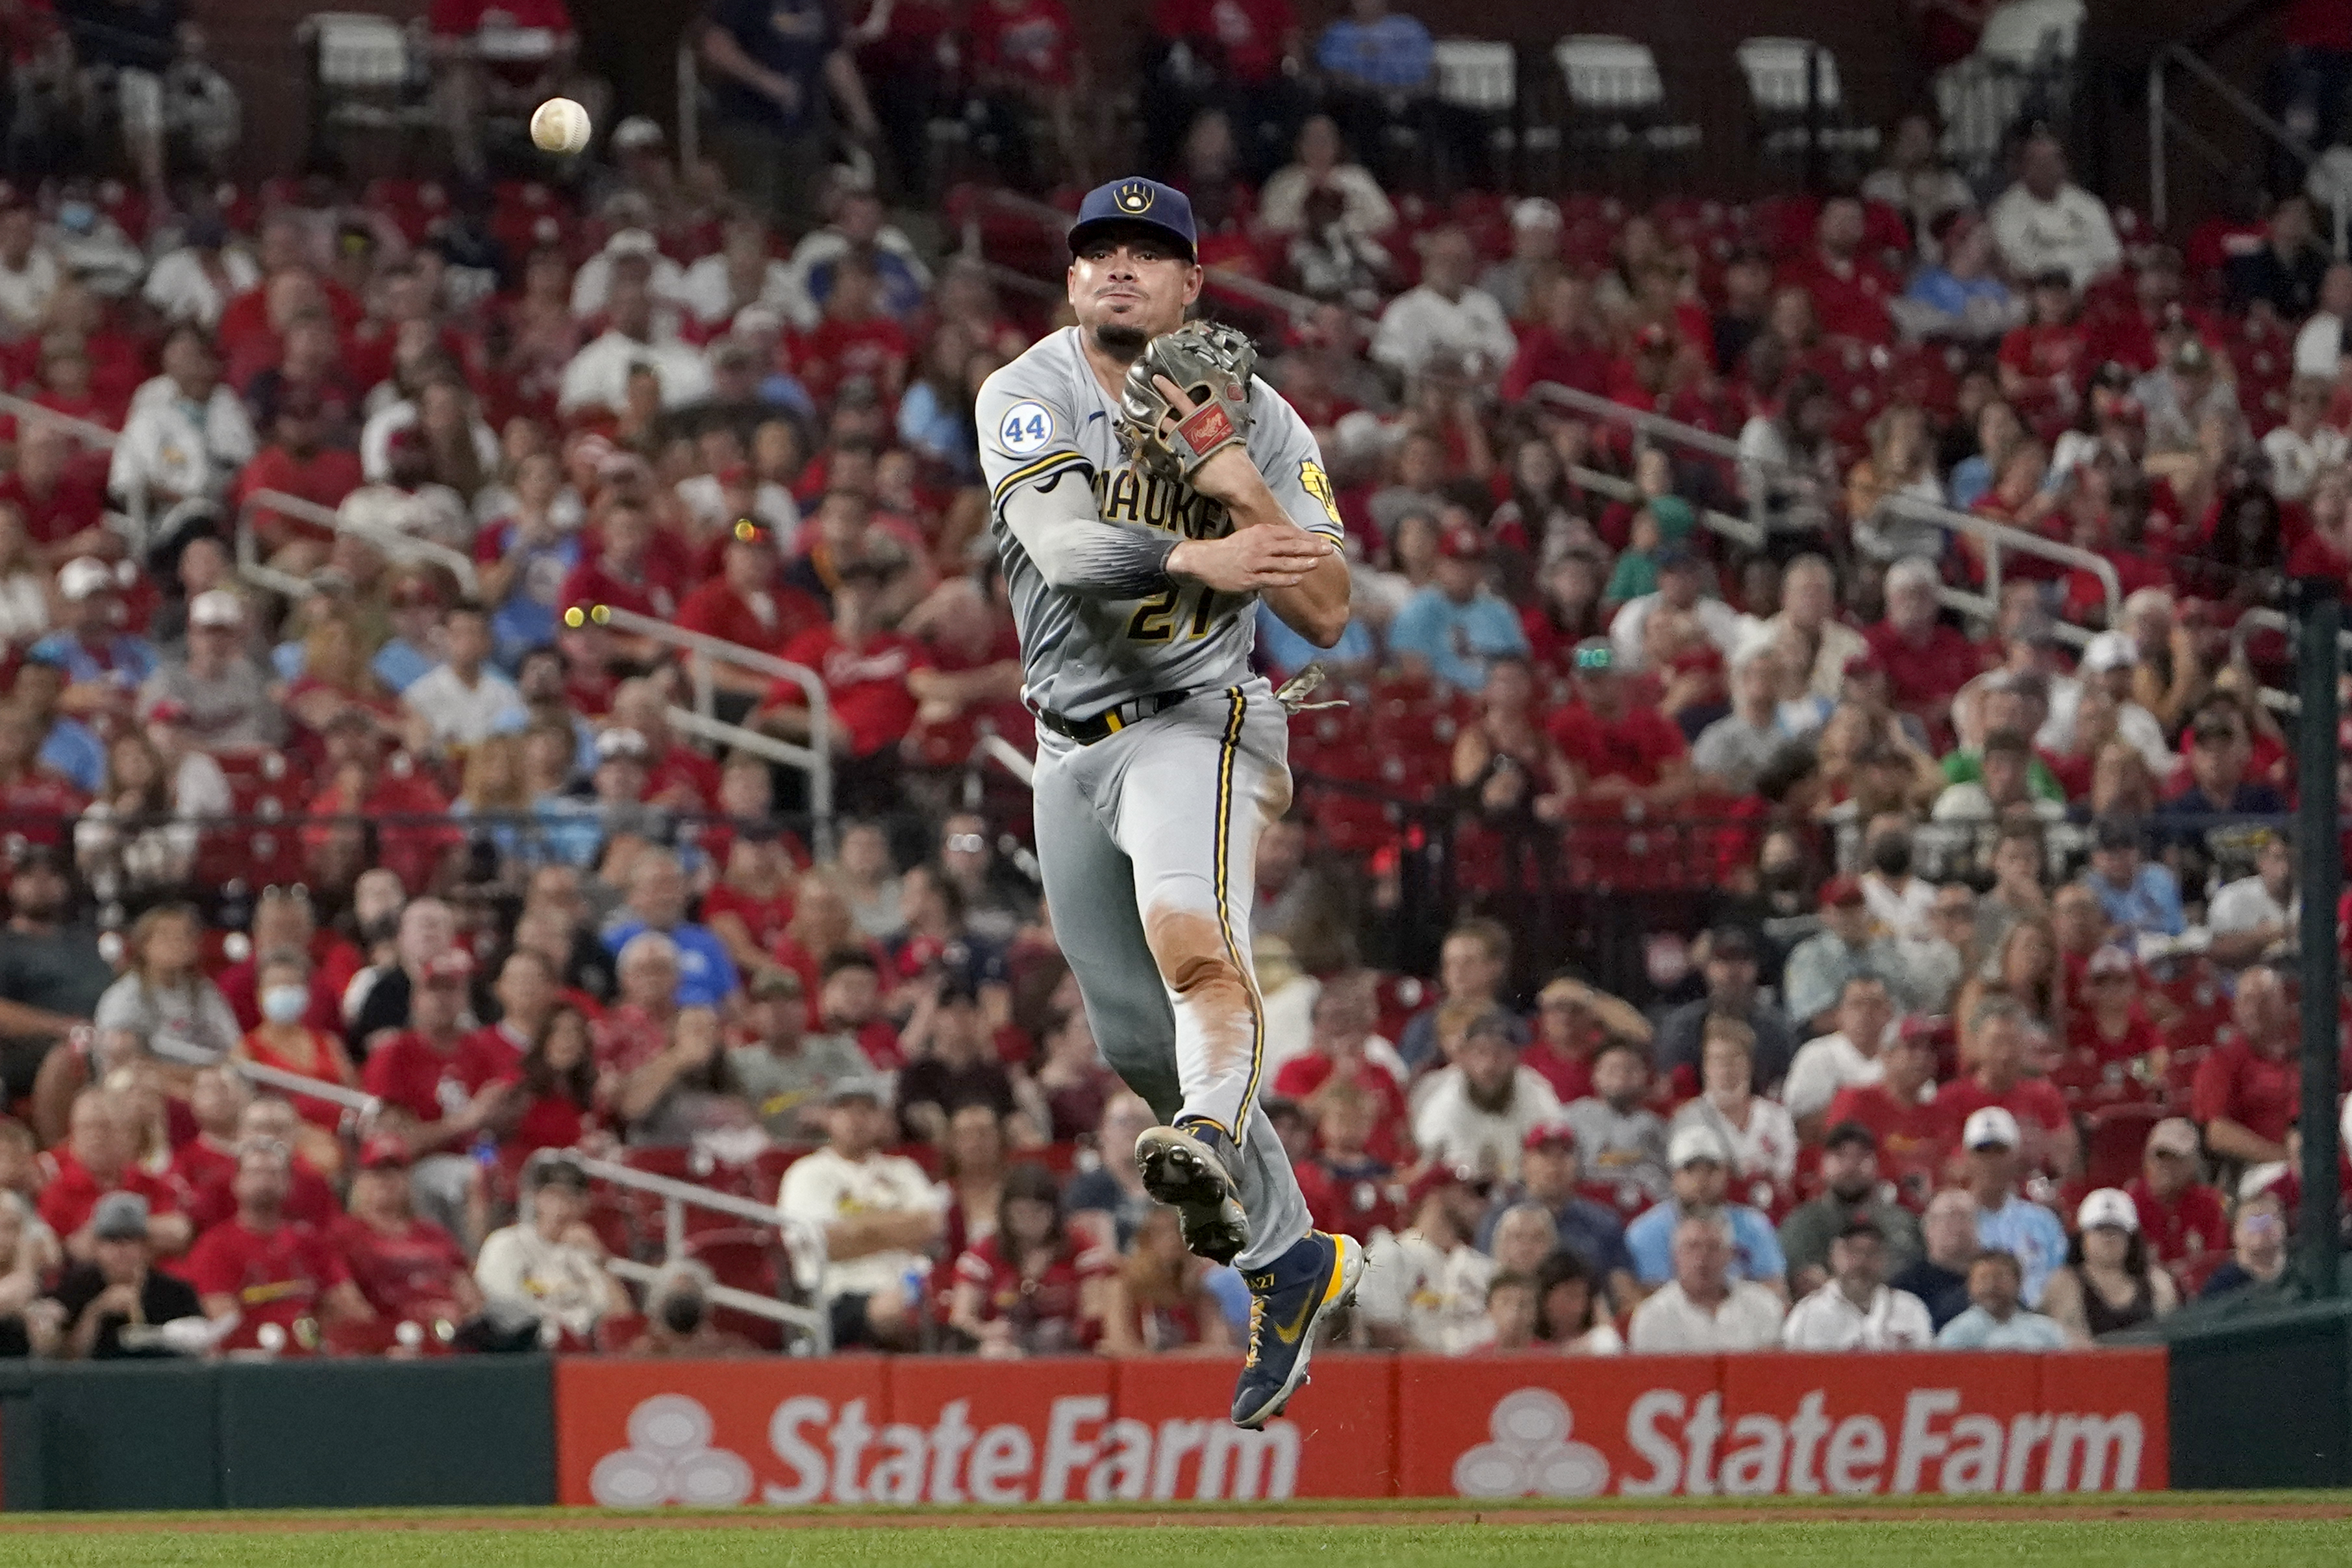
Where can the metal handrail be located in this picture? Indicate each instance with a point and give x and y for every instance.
(1740, 530)
(728, 1296)
(90, 432)
(357, 1102)
(993, 747)
(703, 652)
(1754, 471)
(392, 541)
(2160, 118)
(803, 1241)
(1999, 537)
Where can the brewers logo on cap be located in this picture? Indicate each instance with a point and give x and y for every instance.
(1135, 196)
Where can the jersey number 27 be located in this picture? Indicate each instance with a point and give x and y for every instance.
(1155, 619)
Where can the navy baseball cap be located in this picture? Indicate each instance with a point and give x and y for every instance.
(1145, 203)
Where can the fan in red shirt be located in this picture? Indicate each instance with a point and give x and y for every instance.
(1345, 1017)
(856, 342)
(1902, 1113)
(1999, 1046)
(296, 463)
(269, 1269)
(217, 1099)
(1028, 44)
(2249, 1089)
(529, 988)
(747, 603)
(552, 1103)
(677, 776)
(626, 571)
(2111, 1042)
(1572, 1019)
(1567, 344)
(97, 1159)
(1032, 1288)
(1619, 749)
(1346, 1186)
(284, 922)
(751, 905)
(2181, 1217)
(61, 493)
(427, 1073)
(211, 1196)
(404, 1266)
(1849, 288)
(2043, 360)
(864, 670)
(407, 815)
(1927, 661)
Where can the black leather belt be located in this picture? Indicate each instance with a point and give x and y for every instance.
(1111, 720)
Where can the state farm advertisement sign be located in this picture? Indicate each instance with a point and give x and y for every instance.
(1808, 1425)
(865, 1429)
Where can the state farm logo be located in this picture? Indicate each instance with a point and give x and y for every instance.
(669, 1459)
(821, 1452)
(1530, 1455)
(1674, 1444)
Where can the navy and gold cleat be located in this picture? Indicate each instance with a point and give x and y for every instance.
(1287, 1301)
(1190, 1168)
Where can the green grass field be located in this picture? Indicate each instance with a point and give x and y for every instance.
(2274, 1531)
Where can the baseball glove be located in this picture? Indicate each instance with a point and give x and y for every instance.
(1211, 364)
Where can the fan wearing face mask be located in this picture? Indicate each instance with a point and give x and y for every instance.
(283, 1040)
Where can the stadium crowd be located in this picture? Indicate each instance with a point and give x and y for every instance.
(1960, 1006)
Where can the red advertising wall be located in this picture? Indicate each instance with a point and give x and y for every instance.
(865, 1429)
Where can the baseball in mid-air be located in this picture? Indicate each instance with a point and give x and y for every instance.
(559, 125)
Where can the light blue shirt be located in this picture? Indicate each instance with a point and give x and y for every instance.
(1286, 652)
(126, 661)
(1393, 52)
(1755, 1246)
(706, 975)
(72, 750)
(1456, 639)
(1939, 289)
(2029, 1231)
(1971, 477)
(2151, 904)
(400, 666)
(1975, 1330)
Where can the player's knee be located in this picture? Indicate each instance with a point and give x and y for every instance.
(1191, 949)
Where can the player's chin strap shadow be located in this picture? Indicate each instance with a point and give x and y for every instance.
(1293, 693)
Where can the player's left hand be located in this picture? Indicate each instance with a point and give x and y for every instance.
(1228, 476)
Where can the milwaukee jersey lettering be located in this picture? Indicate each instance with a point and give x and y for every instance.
(1045, 421)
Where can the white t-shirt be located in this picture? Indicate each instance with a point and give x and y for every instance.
(2245, 905)
(1439, 1299)
(1906, 915)
(705, 292)
(1421, 323)
(25, 294)
(1826, 1319)
(1822, 1067)
(1668, 1323)
(825, 1187)
(2296, 460)
(460, 714)
(598, 375)
(1767, 1146)
(561, 1284)
(2319, 345)
(702, 494)
(1447, 1126)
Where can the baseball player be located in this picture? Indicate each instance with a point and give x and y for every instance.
(1146, 491)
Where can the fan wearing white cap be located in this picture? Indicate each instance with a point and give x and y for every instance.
(2008, 1221)
(102, 663)
(1700, 1169)
(1535, 228)
(2110, 1280)
(217, 688)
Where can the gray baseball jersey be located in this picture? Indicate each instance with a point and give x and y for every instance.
(1045, 421)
